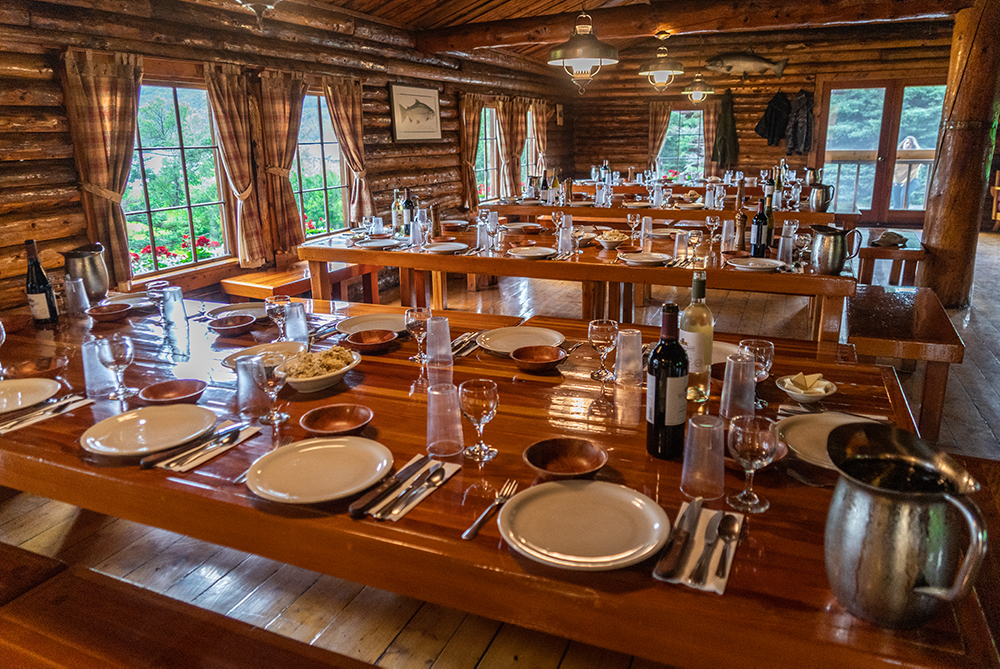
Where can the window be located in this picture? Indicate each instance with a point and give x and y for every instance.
(488, 155)
(529, 156)
(174, 211)
(683, 150)
(318, 174)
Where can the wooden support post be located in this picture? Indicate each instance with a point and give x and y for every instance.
(439, 290)
(959, 178)
(319, 280)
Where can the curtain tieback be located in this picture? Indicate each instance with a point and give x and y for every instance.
(245, 194)
(279, 171)
(361, 174)
(101, 192)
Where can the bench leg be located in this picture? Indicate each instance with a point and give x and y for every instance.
(831, 311)
(866, 270)
(319, 280)
(932, 400)
(439, 290)
(628, 299)
(588, 300)
(897, 269)
(369, 287)
(909, 273)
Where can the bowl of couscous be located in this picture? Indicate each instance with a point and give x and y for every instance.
(316, 371)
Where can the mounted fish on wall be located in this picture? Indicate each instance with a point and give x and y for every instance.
(745, 63)
(416, 115)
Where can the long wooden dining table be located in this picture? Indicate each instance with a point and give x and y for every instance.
(608, 284)
(777, 609)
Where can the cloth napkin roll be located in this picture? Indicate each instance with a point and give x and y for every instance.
(712, 582)
(38, 419)
(245, 434)
(449, 470)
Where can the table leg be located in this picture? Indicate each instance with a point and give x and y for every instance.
(614, 300)
(587, 298)
(831, 312)
(439, 290)
(866, 270)
(406, 287)
(369, 286)
(628, 300)
(600, 299)
(932, 399)
(319, 280)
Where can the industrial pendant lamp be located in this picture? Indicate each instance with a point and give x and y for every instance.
(259, 7)
(698, 90)
(583, 55)
(661, 70)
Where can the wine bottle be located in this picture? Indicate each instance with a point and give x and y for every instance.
(41, 297)
(696, 329)
(758, 232)
(740, 216)
(778, 188)
(666, 392)
(768, 210)
(409, 212)
(397, 210)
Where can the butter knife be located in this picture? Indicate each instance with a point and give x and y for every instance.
(436, 478)
(41, 409)
(221, 440)
(700, 571)
(387, 508)
(389, 485)
(154, 459)
(678, 547)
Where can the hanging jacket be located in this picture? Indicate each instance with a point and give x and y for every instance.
(773, 123)
(799, 132)
(726, 149)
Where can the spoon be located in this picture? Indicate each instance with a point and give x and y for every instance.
(729, 533)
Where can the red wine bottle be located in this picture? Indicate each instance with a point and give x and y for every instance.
(758, 232)
(41, 297)
(666, 392)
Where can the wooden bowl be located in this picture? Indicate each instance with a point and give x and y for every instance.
(538, 358)
(48, 368)
(107, 313)
(629, 248)
(524, 242)
(530, 229)
(611, 243)
(453, 226)
(380, 235)
(336, 419)
(230, 326)
(729, 255)
(371, 341)
(565, 458)
(176, 391)
(442, 240)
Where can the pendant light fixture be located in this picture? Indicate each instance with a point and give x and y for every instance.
(583, 55)
(259, 7)
(698, 90)
(661, 70)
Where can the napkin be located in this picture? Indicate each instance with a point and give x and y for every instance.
(45, 416)
(808, 384)
(786, 410)
(449, 470)
(245, 434)
(712, 583)
(890, 238)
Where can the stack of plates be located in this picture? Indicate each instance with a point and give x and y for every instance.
(532, 252)
(20, 393)
(644, 259)
(664, 233)
(690, 205)
(807, 435)
(255, 309)
(755, 264)
(638, 205)
(445, 248)
(517, 226)
(531, 202)
(505, 340)
(393, 322)
(148, 430)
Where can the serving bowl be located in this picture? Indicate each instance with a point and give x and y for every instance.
(565, 458)
(822, 389)
(629, 248)
(175, 391)
(442, 240)
(48, 368)
(538, 358)
(336, 419)
(371, 341)
(231, 326)
(107, 313)
(314, 384)
(611, 243)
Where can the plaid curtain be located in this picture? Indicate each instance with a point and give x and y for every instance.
(102, 103)
(229, 95)
(470, 110)
(343, 97)
(281, 115)
(540, 122)
(710, 116)
(659, 121)
(512, 126)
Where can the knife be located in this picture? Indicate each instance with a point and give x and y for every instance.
(676, 552)
(435, 478)
(220, 441)
(359, 509)
(700, 571)
(418, 482)
(154, 459)
(40, 409)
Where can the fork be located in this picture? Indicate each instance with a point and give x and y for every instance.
(504, 494)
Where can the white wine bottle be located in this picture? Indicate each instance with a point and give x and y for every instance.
(696, 330)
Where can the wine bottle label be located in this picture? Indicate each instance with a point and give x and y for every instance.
(39, 306)
(698, 346)
(395, 219)
(675, 399)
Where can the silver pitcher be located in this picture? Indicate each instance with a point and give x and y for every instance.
(894, 527)
(814, 176)
(820, 197)
(829, 249)
(87, 263)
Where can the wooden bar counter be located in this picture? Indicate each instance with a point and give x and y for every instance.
(777, 609)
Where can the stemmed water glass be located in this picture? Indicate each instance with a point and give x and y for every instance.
(3, 338)
(576, 234)
(416, 324)
(762, 352)
(493, 230)
(275, 306)
(116, 353)
(479, 399)
(633, 223)
(269, 375)
(754, 446)
(154, 293)
(603, 335)
(712, 223)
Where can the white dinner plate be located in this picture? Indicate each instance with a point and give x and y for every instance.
(136, 300)
(454, 221)
(806, 435)
(255, 309)
(505, 340)
(394, 322)
(19, 393)
(531, 202)
(289, 348)
(755, 264)
(645, 259)
(722, 350)
(379, 244)
(583, 203)
(319, 470)
(690, 205)
(517, 225)
(638, 205)
(445, 248)
(583, 525)
(148, 430)
(664, 233)
(531, 252)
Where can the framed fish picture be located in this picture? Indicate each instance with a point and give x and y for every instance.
(416, 115)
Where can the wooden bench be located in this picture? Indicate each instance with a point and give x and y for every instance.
(904, 259)
(75, 617)
(294, 280)
(911, 324)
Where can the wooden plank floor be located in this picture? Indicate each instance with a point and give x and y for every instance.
(394, 631)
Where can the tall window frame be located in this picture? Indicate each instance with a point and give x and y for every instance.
(330, 197)
(683, 149)
(488, 154)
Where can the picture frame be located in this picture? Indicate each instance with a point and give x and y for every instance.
(416, 114)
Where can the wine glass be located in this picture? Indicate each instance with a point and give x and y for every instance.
(713, 223)
(479, 399)
(577, 234)
(269, 375)
(275, 307)
(633, 223)
(493, 230)
(762, 352)
(3, 338)
(754, 446)
(154, 293)
(416, 324)
(602, 335)
(116, 353)
(557, 219)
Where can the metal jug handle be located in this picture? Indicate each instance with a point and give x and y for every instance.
(857, 247)
(973, 556)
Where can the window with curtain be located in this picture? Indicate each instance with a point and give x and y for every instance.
(488, 156)
(683, 150)
(318, 174)
(529, 157)
(174, 211)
